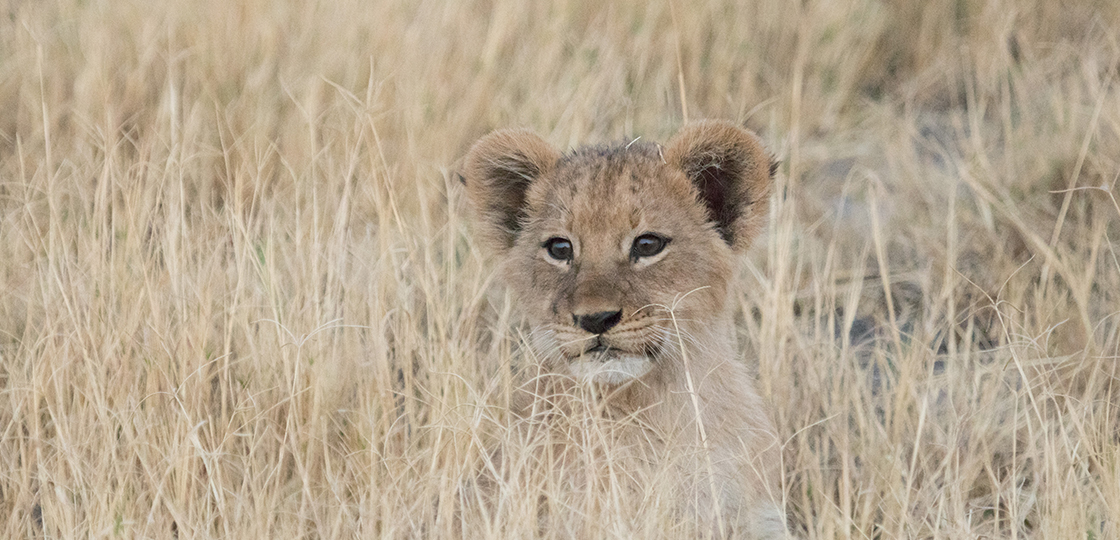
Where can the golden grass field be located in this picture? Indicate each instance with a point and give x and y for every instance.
(240, 296)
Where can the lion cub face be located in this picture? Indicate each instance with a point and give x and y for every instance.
(619, 255)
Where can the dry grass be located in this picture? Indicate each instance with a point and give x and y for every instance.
(238, 297)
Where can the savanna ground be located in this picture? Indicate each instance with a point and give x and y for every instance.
(239, 297)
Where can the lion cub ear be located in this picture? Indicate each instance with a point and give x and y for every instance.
(732, 174)
(498, 171)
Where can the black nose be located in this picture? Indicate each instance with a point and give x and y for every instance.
(597, 323)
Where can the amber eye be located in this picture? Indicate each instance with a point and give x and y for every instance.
(558, 248)
(647, 245)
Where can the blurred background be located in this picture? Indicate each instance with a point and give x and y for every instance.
(239, 296)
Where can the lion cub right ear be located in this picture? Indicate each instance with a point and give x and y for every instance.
(497, 172)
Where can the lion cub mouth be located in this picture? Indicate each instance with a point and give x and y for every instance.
(602, 364)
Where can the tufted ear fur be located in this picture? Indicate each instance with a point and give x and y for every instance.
(732, 174)
(497, 171)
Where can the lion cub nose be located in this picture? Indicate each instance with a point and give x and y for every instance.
(597, 323)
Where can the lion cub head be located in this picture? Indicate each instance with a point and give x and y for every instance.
(620, 255)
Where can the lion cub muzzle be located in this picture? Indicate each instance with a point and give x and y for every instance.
(608, 347)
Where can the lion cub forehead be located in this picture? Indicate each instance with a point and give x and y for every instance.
(621, 181)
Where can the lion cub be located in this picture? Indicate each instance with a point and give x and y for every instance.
(621, 258)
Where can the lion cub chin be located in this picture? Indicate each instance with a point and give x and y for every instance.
(622, 258)
(611, 370)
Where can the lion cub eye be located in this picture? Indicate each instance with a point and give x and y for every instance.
(647, 245)
(558, 248)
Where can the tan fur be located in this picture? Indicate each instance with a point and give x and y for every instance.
(664, 385)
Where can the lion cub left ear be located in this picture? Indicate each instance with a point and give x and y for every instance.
(732, 175)
(498, 171)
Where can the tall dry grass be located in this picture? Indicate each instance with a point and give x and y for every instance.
(239, 298)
